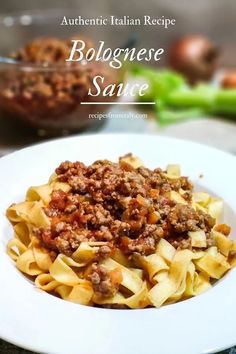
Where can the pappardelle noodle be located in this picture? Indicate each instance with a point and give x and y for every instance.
(120, 235)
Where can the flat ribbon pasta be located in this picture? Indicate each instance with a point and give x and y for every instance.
(61, 270)
(130, 279)
(27, 264)
(44, 191)
(165, 250)
(213, 265)
(177, 272)
(80, 294)
(15, 248)
(135, 301)
(86, 251)
(42, 258)
(22, 232)
(29, 212)
(153, 264)
(46, 282)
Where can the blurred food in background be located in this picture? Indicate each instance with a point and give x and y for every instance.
(195, 57)
(229, 79)
(176, 99)
(185, 90)
(39, 87)
(44, 90)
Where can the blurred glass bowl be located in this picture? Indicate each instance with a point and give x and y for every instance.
(48, 97)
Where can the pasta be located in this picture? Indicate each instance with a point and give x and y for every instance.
(119, 235)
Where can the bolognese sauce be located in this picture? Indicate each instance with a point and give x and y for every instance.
(127, 208)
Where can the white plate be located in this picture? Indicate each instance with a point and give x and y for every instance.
(36, 320)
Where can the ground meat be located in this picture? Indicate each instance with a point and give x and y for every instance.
(62, 243)
(50, 96)
(145, 172)
(58, 199)
(104, 251)
(183, 218)
(120, 228)
(144, 246)
(67, 169)
(102, 281)
(46, 50)
(146, 242)
(158, 180)
(206, 222)
(184, 242)
(101, 216)
(122, 207)
(67, 241)
(103, 234)
(181, 242)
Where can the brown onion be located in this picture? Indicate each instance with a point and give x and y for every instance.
(194, 56)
